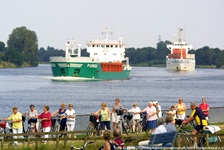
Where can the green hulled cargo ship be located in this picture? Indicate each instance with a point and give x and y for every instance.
(106, 62)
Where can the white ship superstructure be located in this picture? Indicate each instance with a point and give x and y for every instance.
(179, 59)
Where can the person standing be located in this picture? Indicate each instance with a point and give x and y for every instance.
(17, 126)
(46, 121)
(181, 109)
(136, 117)
(105, 117)
(204, 107)
(70, 115)
(116, 117)
(60, 112)
(151, 117)
(32, 116)
(158, 109)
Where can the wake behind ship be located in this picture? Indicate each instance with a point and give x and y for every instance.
(179, 59)
(107, 61)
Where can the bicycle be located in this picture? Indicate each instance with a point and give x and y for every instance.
(142, 124)
(32, 125)
(56, 124)
(126, 122)
(81, 148)
(95, 124)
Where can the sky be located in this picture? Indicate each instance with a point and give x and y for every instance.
(139, 22)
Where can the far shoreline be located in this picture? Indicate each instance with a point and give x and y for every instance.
(5, 65)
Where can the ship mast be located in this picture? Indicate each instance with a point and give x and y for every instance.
(107, 31)
(180, 40)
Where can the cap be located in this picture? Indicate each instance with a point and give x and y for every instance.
(155, 102)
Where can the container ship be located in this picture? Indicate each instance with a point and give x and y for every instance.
(106, 61)
(179, 59)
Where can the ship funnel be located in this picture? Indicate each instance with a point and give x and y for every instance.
(79, 50)
(67, 55)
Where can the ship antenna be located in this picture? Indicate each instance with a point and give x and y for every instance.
(179, 34)
(107, 31)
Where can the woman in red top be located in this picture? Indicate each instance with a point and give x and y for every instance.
(46, 120)
(204, 107)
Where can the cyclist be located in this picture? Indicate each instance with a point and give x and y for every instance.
(116, 117)
(105, 117)
(136, 117)
(197, 115)
(32, 116)
(60, 112)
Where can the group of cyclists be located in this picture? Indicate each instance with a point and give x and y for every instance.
(65, 116)
(154, 115)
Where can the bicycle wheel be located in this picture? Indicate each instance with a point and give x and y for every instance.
(91, 128)
(139, 128)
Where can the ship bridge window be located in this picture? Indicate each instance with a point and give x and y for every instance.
(93, 45)
(107, 45)
(116, 46)
(111, 45)
(97, 45)
(103, 46)
(95, 53)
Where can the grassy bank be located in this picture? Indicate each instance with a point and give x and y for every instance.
(4, 64)
(98, 143)
(7, 65)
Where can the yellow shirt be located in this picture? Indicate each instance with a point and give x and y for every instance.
(15, 117)
(180, 110)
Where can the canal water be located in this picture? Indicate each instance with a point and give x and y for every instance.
(24, 86)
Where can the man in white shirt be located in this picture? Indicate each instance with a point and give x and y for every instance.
(158, 109)
(160, 129)
(136, 115)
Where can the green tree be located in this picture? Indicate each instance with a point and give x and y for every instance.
(2, 46)
(13, 56)
(25, 42)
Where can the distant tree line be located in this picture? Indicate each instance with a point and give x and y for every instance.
(22, 48)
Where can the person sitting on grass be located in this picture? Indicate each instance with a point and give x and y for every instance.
(160, 129)
(118, 142)
(108, 144)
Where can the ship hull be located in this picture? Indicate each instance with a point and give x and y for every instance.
(180, 64)
(86, 70)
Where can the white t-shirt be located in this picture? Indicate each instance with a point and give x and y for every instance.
(160, 113)
(32, 114)
(137, 109)
(70, 113)
(160, 129)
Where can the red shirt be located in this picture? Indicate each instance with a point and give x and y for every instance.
(46, 123)
(204, 107)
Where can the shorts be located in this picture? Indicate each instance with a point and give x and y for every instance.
(115, 118)
(152, 124)
(135, 121)
(105, 123)
(199, 127)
